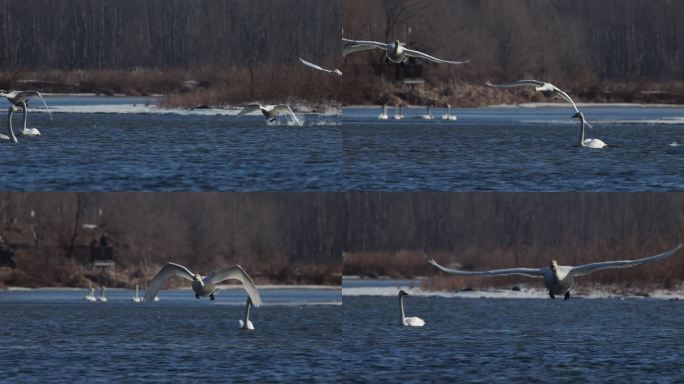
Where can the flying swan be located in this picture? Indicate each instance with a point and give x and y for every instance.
(20, 99)
(408, 321)
(317, 67)
(246, 324)
(203, 285)
(550, 90)
(271, 112)
(394, 51)
(560, 279)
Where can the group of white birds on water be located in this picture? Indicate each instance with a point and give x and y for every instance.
(559, 280)
(203, 286)
(395, 51)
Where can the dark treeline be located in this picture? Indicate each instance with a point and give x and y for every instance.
(593, 47)
(233, 50)
(494, 230)
(275, 236)
(127, 34)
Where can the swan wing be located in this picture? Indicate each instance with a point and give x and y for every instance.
(318, 67)
(414, 53)
(25, 95)
(237, 273)
(167, 271)
(589, 268)
(568, 99)
(529, 272)
(361, 45)
(519, 83)
(249, 108)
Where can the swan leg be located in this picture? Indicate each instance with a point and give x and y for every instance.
(211, 297)
(567, 295)
(197, 296)
(551, 295)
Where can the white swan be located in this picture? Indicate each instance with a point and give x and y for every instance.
(394, 51)
(428, 115)
(398, 112)
(246, 323)
(383, 115)
(203, 285)
(136, 298)
(560, 279)
(91, 295)
(20, 99)
(317, 67)
(587, 143)
(102, 297)
(408, 321)
(271, 112)
(10, 133)
(448, 115)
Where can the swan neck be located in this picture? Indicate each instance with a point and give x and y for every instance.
(581, 142)
(248, 307)
(401, 306)
(25, 110)
(10, 132)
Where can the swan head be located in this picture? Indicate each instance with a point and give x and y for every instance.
(337, 72)
(578, 115)
(403, 293)
(553, 265)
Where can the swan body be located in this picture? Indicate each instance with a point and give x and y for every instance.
(271, 112)
(448, 115)
(335, 71)
(102, 296)
(408, 321)
(395, 51)
(560, 279)
(383, 115)
(428, 114)
(203, 285)
(246, 323)
(136, 298)
(587, 143)
(91, 295)
(398, 115)
(28, 131)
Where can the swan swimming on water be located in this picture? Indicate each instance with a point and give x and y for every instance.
(136, 298)
(428, 114)
(203, 285)
(246, 323)
(560, 279)
(448, 115)
(317, 67)
(383, 115)
(102, 296)
(408, 321)
(394, 51)
(20, 99)
(550, 90)
(271, 112)
(91, 295)
(398, 112)
(586, 143)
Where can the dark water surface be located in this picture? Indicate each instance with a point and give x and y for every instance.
(514, 340)
(61, 338)
(122, 144)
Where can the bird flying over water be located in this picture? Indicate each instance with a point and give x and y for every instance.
(394, 51)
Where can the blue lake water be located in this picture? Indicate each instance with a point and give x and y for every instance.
(124, 144)
(56, 336)
(513, 340)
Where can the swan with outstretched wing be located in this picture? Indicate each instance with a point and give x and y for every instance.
(560, 279)
(395, 51)
(203, 285)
